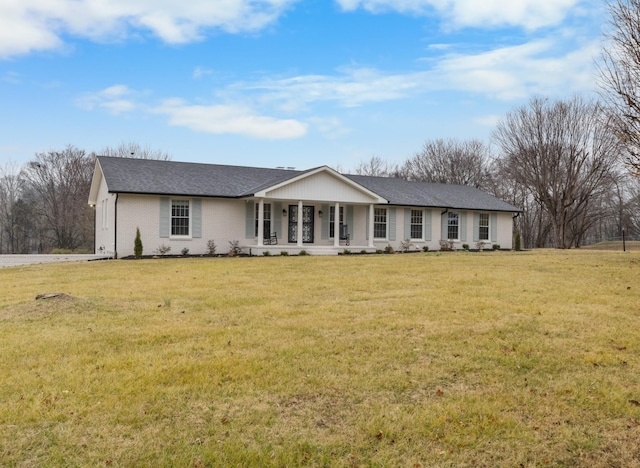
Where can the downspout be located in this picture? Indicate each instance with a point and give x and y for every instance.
(95, 229)
(115, 228)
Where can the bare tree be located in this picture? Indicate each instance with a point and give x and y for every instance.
(135, 150)
(10, 189)
(620, 76)
(564, 153)
(60, 182)
(451, 162)
(375, 166)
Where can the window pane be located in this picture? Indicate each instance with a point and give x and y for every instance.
(380, 223)
(332, 219)
(452, 226)
(179, 217)
(416, 224)
(266, 220)
(483, 233)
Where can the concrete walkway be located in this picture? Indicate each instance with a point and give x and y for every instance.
(16, 260)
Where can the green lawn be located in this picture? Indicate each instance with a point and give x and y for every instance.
(456, 359)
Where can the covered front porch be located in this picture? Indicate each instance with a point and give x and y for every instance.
(282, 226)
(320, 212)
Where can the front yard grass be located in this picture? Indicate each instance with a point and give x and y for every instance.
(457, 359)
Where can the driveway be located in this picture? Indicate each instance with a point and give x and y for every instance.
(15, 260)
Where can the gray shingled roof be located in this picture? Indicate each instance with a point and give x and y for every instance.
(408, 193)
(149, 176)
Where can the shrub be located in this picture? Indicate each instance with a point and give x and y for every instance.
(303, 252)
(363, 251)
(388, 249)
(465, 246)
(495, 246)
(137, 244)
(266, 253)
(346, 252)
(211, 247)
(234, 248)
(405, 245)
(379, 251)
(446, 245)
(163, 249)
(480, 245)
(425, 248)
(185, 251)
(284, 253)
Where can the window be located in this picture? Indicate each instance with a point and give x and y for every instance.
(105, 214)
(380, 223)
(483, 227)
(332, 219)
(266, 222)
(179, 217)
(452, 226)
(416, 224)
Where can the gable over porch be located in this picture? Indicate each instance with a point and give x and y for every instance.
(317, 209)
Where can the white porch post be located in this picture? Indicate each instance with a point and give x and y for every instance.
(371, 223)
(299, 228)
(336, 226)
(261, 223)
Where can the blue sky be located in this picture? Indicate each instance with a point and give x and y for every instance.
(282, 82)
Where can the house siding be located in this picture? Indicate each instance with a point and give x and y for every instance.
(105, 221)
(319, 187)
(221, 220)
(224, 220)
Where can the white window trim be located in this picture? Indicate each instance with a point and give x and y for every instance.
(176, 236)
(421, 238)
(386, 223)
(488, 239)
(340, 221)
(256, 221)
(457, 239)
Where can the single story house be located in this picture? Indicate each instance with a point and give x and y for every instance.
(184, 205)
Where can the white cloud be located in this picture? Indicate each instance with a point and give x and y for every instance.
(529, 14)
(115, 99)
(519, 71)
(31, 25)
(199, 72)
(331, 127)
(229, 119)
(506, 73)
(352, 87)
(490, 120)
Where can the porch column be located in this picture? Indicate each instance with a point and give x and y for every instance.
(261, 222)
(370, 226)
(336, 226)
(299, 228)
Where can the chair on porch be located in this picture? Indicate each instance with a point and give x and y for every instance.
(344, 233)
(270, 239)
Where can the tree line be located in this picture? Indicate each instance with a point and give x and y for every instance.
(44, 204)
(558, 161)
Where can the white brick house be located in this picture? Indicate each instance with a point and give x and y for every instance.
(184, 205)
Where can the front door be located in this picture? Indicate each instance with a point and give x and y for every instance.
(307, 224)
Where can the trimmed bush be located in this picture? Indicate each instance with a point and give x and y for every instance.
(137, 244)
